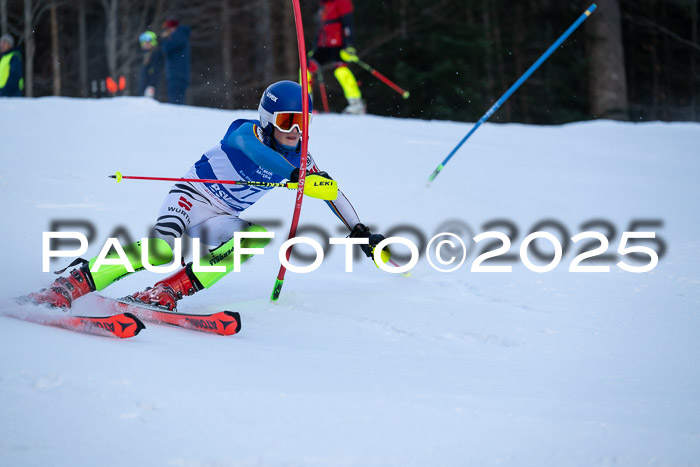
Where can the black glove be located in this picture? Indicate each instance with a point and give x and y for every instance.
(294, 176)
(361, 231)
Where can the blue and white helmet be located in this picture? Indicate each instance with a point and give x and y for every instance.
(282, 96)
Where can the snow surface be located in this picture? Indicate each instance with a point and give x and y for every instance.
(362, 368)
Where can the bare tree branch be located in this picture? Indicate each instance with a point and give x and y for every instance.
(652, 25)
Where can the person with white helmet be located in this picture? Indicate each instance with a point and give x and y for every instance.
(264, 150)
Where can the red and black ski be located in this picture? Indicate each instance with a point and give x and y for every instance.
(122, 325)
(224, 323)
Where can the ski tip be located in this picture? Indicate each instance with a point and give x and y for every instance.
(237, 316)
(139, 324)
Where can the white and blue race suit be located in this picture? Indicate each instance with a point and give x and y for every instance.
(210, 211)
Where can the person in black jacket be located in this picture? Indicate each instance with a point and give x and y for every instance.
(11, 73)
(175, 43)
(149, 74)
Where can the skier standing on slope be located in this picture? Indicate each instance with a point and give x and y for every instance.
(335, 43)
(268, 150)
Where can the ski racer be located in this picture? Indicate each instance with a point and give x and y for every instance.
(264, 150)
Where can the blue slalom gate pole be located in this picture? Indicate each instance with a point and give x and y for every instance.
(515, 87)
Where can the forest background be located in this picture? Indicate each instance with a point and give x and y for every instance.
(632, 60)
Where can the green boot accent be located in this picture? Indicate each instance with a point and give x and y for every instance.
(223, 256)
(159, 253)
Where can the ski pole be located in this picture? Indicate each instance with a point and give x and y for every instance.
(405, 94)
(119, 177)
(326, 193)
(514, 87)
(322, 89)
(396, 265)
(315, 68)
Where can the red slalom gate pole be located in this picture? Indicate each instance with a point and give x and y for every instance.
(304, 145)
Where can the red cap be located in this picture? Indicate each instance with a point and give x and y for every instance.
(170, 23)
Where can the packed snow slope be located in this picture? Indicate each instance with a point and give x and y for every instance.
(364, 367)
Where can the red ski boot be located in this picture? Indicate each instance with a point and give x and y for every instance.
(65, 289)
(167, 292)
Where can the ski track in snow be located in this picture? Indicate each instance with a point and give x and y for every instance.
(361, 368)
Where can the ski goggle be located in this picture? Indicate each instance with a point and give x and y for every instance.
(286, 121)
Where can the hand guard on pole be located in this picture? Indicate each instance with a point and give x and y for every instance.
(349, 55)
(318, 185)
